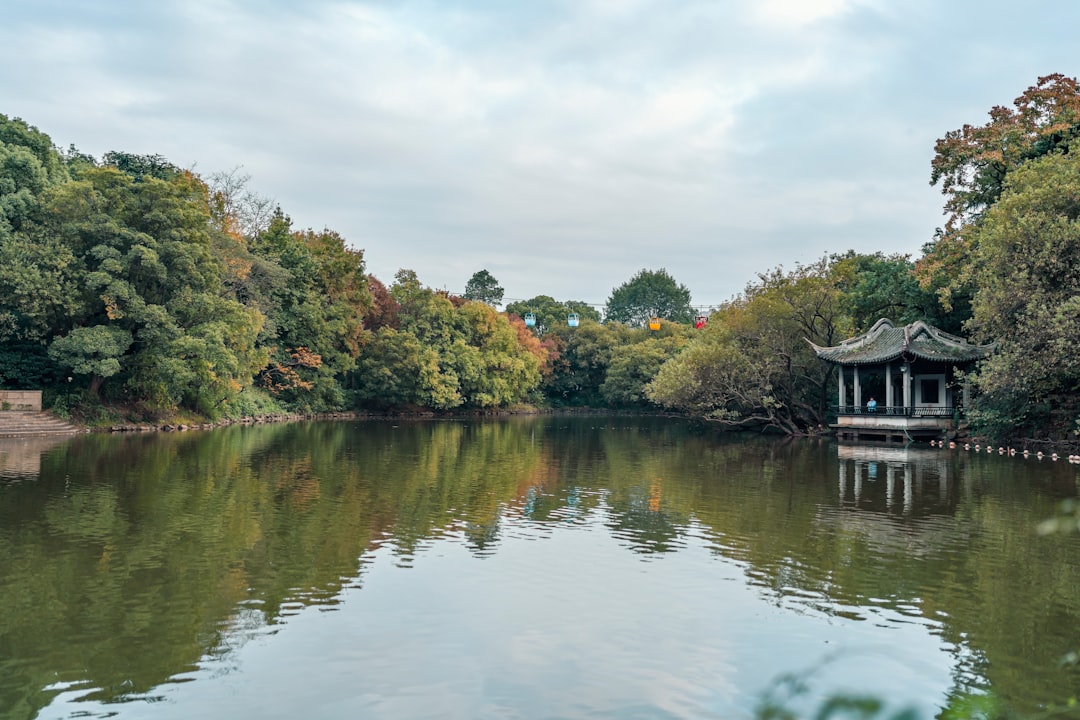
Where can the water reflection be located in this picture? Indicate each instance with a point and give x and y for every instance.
(904, 473)
(21, 457)
(132, 564)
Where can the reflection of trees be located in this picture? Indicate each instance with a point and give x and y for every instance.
(947, 539)
(130, 559)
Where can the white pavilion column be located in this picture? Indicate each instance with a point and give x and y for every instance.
(909, 492)
(842, 394)
(890, 478)
(888, 385)
(907, 385)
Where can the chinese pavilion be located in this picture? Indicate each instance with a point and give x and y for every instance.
(911, 375)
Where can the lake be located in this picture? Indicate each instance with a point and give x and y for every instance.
(530, 567)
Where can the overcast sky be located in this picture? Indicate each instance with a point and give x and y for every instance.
(561, 144)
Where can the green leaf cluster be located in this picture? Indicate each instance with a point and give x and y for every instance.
(445, 353)
(649, 294)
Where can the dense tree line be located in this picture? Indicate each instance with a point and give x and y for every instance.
(129, 281)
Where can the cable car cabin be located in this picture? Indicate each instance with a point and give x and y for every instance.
(572, 319)
(654, 323)
(530, 320)
(701, 321)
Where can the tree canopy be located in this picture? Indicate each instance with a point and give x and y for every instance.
(972, 163)
(649, 294)
(483, 287)
(551, 313)
(1027, 271)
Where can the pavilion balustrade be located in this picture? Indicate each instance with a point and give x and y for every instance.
(899, 411)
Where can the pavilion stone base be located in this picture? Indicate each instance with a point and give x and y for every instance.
(861, 428)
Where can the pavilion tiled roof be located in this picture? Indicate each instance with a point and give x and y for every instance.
(885, 342)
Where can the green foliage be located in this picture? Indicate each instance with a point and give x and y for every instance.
(29, 165)
(94, 351)
(314, 292)
(973, 164)
(584, 354)
(876, 286)
(752, 366)
(26, 365)
(633, 367)
(140, 167)
(483, 287)
(389, 371)
(1028, 271)
(142, 291)
(649, 294)
(251, 402)
(551, 313)
(445, 354)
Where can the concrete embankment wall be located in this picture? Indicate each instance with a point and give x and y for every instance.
(25, 400)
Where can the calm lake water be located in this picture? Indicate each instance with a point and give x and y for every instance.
(525, 568)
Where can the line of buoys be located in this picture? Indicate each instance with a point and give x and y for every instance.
(1002, 450)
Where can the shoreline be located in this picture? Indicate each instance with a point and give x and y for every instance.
(270, 418)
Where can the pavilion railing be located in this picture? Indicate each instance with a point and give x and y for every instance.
(900, 411)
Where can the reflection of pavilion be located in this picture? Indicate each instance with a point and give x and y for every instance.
(914, 517)
(905, 472)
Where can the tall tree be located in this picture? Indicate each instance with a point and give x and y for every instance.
(649, 294)
(145, 291)
(482, 286)
(972, 164)
(876, 285)
(446, 353)
(317, 310)
(1027, 272)
(752, 365)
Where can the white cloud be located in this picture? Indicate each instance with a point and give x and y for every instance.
(568, 143)
(794, 14)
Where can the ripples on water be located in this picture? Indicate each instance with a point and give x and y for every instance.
(539, 568)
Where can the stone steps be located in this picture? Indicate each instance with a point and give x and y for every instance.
(20, 423)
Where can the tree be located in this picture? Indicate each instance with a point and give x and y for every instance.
(318, 298)
(94, 351)
(874, 286)
(483, 287)
(235, 208)
(634, 366)
(138, 263)
(647, 295)
(752, 365)
(1028, 300)
(583, 356)
(446, 353)
(972, 165)
(551, 313)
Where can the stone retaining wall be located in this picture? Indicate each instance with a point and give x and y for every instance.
(25, 400)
